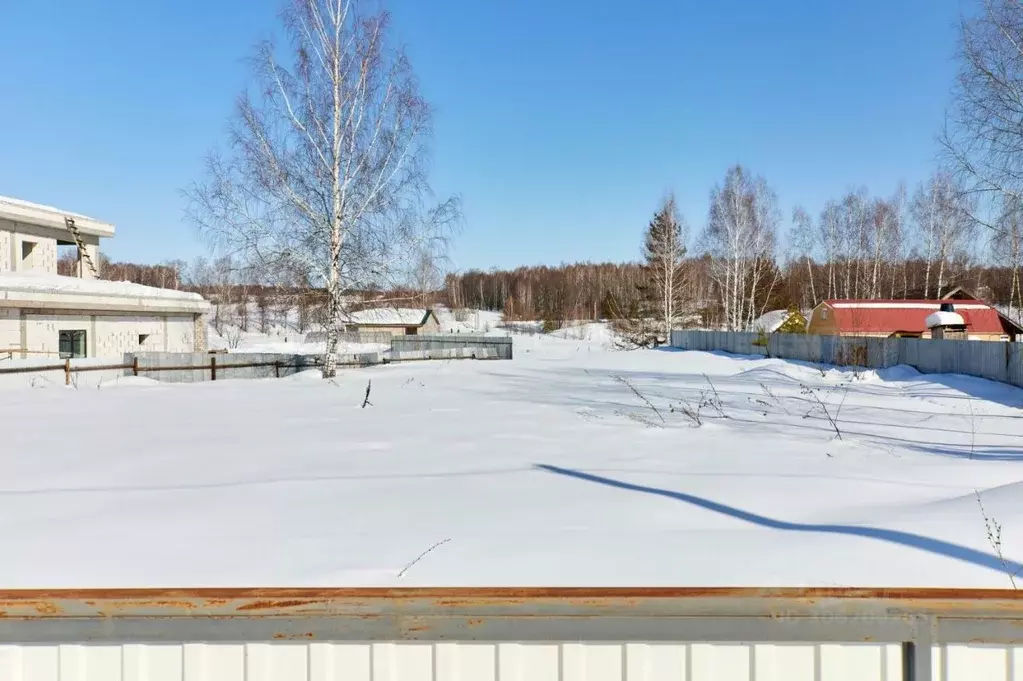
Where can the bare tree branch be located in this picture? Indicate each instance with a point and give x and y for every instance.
(326, 179)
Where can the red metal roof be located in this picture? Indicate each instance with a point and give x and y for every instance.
(890, 316)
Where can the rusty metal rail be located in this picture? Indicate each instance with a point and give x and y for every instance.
(915, 618)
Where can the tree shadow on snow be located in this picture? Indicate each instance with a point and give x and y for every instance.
(908, 539)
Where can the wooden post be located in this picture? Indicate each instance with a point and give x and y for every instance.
(135, 366)
(213, 368)
(67, 372)
(277, 369)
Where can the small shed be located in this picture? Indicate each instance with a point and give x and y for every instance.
(947, 324)
(394, 320)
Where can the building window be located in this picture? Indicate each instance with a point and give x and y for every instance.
(824, 313)
(142, 338)
(411, 330)
(72, 344)
(27, 248)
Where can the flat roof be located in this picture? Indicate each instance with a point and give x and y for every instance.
(39, 215)
(42, 289)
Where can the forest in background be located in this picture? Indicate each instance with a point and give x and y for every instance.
(859, 246)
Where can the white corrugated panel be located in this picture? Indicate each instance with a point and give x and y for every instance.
(990, 663)
(490, 662)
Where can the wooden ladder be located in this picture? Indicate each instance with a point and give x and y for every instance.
(83, 253)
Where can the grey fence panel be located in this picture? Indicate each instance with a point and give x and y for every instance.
(448, 346)
(796, 346)
(851, 352)
(964, 359)
(882, 352)
(776, 345)
(949, 356)
(993, 360)
(826, 349)
(741, 342)
(924, 355)
(1014, 365)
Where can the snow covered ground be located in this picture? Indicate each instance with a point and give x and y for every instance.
(570, 465)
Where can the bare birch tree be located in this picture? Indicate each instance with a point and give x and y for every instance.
(803, 245)
(1007, 249)
(884, 238)
(896, 248)
(944, 216)
(832, 244)
(664, 248)
(326, 175)
(740, 237)
(983, 137)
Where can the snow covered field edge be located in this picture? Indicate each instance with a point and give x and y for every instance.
(572, 465)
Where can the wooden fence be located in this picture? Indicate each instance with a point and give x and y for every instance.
(215, 368)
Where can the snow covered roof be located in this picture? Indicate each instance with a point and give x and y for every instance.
(941, 318)
(389, 316)
(769, 322)
(26, 212)
(23, 288)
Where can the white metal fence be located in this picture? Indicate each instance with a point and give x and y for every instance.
(995, 360)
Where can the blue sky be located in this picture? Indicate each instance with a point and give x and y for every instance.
(560, 122)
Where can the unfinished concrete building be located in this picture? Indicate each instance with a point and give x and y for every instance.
(43, 314)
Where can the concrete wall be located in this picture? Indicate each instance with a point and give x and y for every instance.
(200, 332)
(10, 330)
(107, 335)
(44, 253)
(5, 249)
(118, 335)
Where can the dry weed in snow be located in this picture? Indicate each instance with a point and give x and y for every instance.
(994, 538)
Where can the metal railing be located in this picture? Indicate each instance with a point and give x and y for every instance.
(919, 621)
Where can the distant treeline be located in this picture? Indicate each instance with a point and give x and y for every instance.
(605, 290)
(573, 291)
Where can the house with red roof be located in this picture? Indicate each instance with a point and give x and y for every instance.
(910, 319)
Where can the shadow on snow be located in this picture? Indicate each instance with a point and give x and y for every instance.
(928, 544)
